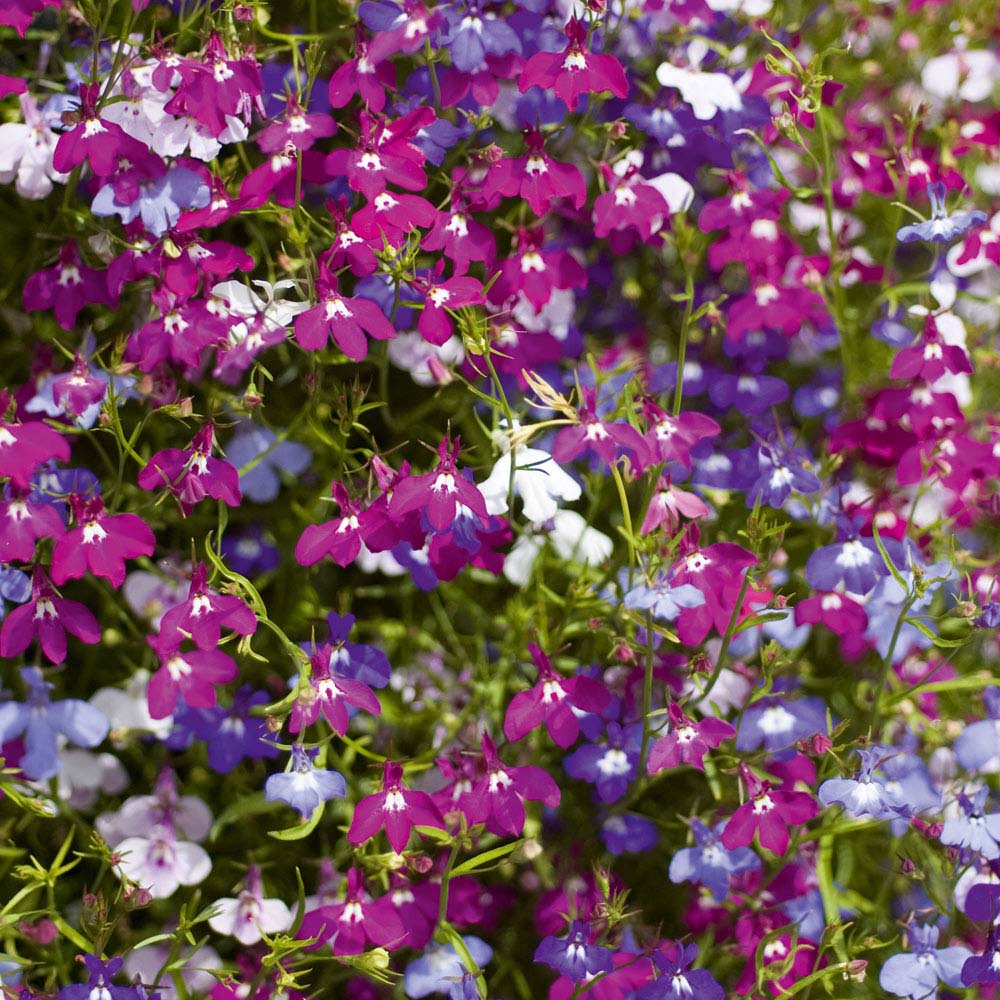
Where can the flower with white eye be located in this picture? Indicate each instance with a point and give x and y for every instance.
(250, 916)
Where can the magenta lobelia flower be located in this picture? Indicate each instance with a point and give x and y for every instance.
(192, 474)
(555, 700)
(23, 447)
(204, 614)
(688, 741)
(192, 674)
(22, 523)
(396, 808)
(345, 319)
(440, 494)
(67, 288)
(100, 542)
(768, 813)
(498, 798)
(48, 618)
(574, 70)
(330, 692)
(347, 926)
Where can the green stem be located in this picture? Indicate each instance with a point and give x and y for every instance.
(726, 639)
(647, 695)
(887, 667)
(682, 345)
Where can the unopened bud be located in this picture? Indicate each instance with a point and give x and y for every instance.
(856, 970)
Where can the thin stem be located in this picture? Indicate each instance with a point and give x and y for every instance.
(647, 695)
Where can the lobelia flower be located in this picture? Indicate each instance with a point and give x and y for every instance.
(43, 721)
(687, 742)
(359, 919)
(709, 863)
(305, 786)
(973, 829)
(554, 699)
(196, 971)
(630, 203)
(361, 77)
(931, 357)
(330, 693)
(778, 722)
(160, 862)
(536, 178)
(345, 319)
(192, 474)
(627, 833)
(340, 538)
(440, 970)
(977, 746)
(360, 661)
(662, 599)
(101, 143)
(538, 480)
(572, 539)
(396, 808)
(497, 799)
(610, 768)
(852, 562)
(158, 200)
(47, 618)
(670, 439)
(574, 71)
(23, 447)
(250, 916)
(574, 956)
(100, 542)
(677, 979)
(984, 968)
(20, 13)
(192, 674)
(837, 612)
(867, 794)
(23, 522)
(204, 614)
(231, 734)
(26, 153)
(440, 494)
(768, 812)
(666, 506)
(707, 93)
(918, 973)
(99, 983)
(940, 227)
(15, 586)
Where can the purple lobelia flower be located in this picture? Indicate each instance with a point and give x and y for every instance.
(709, 863)
(43, 721)
(15, 586)
(158, 200)
(867, 793)
(231, 734)
(940, 227)
(852, 562)
(664, 600)
(778, 722)
(440, 970)
(974, 829)
(304, 787)
(99, 985)
(917, 973)
(574, 956)
(676, 978)
(767, 812)
(977, 747)
(627, 833)
(204, 614)
(984, 968)
(781, 470)
(611, 768)
(360, 661)
(260, 457)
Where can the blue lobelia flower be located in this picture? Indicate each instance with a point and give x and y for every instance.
(610, 768)
(678, 980)
(973, 829)
(99, 983)
(627, 833)
(573, 956)
(708, 863)
(42, 721)
(664, 601)
(778, 722)
(440, 970)
(781, 470)
(15, 586)
(304, 787)
(158, 200)
(940, 227)
(852, 562)
(269, 455)
(918, 972)
(866, 794)
(978, 746)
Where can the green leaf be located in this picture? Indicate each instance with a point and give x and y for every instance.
(487, 857)
(889, 564)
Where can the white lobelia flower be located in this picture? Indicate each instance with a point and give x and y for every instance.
(129, 709)
(26, 153)
(539, 481)
(161, 863)
(195, 969)
(968, 76)
(250, 916)
(83, 775)
(571, 537)
(707, 93)
(243, 301)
